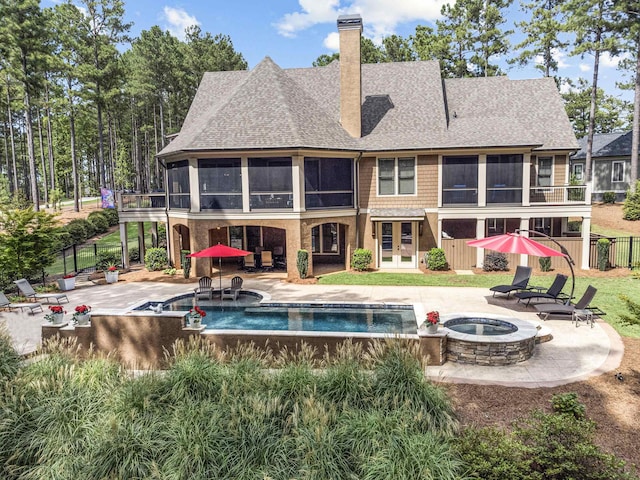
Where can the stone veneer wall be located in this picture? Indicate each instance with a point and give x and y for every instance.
(480, 353)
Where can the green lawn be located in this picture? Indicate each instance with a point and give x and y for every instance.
(606, 299)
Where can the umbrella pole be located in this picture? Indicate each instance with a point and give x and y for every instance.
(220, 274)
(567, 257)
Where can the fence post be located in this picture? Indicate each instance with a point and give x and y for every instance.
(630, 253)
(75, 258)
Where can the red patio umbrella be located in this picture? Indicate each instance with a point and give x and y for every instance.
(219, 251)
(516, 243)
(512, 243)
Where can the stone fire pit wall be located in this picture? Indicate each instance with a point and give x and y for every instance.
(486, 353)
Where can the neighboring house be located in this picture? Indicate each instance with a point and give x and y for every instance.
(611, 164)
(389, 157)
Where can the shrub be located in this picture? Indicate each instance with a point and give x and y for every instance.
(98, 221)
(437, 260)
(79, 229)
(609, 197)
(603, 253)
(634, 311)
(111, 214)
(545, 264)
(106, 258)
(302, 263)
(9, 358)
(361, 259)
(155, 259)
(631, 207)
(170, 271)
(185, 262)
(495, 262)
(134, 254)
(568, 404)
(162, 235)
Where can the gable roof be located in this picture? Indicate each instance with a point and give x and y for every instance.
(606, 145)
(405, 106)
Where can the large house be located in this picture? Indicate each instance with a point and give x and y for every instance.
(390, 157)
(611, 164)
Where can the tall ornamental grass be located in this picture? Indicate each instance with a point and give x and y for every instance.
(365, 413)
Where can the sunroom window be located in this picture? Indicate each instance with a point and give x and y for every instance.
(220, 184)
(328, 182)
(460, 180)
(178, 180)
(270, 183)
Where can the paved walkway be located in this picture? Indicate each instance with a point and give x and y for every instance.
(574, 353)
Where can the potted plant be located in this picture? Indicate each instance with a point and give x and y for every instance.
(194, 317)
(68, 282)
(81, 316)
(56, 316)
(111, 274)
(433, 318)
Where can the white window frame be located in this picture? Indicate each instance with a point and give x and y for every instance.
(575, 174)
(613, 171)
(538, 160)
(396, 178)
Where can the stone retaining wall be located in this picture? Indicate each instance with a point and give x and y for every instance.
(481, 353)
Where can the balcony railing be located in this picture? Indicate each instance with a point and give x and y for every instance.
(558, 195)
(144, 201)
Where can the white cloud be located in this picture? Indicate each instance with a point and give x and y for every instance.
(332, 41)
(608, 61)
(380, 17)
(178, 20)
(557, 55)
(585, 67)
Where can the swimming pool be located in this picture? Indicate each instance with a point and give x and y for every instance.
(302, 317)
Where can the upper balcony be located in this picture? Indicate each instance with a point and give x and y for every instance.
(462, 196)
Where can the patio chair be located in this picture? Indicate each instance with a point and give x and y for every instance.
(234, 290)
(278, 258)
(553, 293)
(546, 310)
(5, 303)
(204, 288)
(519, 282)
(27, 290)
(267, 260)
(250, 263)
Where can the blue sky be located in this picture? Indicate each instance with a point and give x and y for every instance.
(295, 32)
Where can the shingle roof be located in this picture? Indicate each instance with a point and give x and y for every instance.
(606, 145)
(406, 105)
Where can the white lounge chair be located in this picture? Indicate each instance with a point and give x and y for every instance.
(5, 303)
(204, 288)
(233, 291)
(27, 290)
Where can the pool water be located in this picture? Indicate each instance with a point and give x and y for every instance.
(484, 326)
(398, 319)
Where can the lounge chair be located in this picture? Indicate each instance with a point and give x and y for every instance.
(519, 282)
(546, 310)
(233, 291)
(204, 288)
(27, 290)
(553, 293)
(250, 262)
(5, 303)
(267, 260)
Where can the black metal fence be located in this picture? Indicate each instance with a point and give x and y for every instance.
(624, 252)
(84, 258)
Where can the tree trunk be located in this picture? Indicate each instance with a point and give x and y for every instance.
(33, 175)
(42, 161)
(592, 109)
(74, 161)
(13, 144)
(635, 135)
(52, 170)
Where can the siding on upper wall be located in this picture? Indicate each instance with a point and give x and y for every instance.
(560, 170)
(426, 195)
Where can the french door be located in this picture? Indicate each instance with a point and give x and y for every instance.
(397, 245)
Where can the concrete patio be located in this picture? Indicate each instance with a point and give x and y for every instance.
(573, 354)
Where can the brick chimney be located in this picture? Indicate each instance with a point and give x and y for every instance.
(349, 29)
